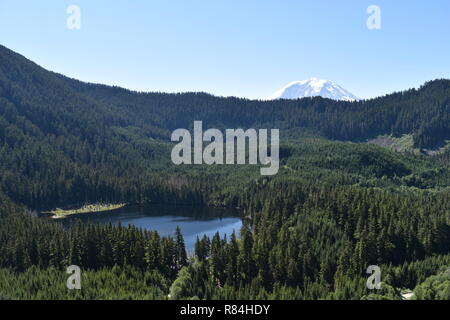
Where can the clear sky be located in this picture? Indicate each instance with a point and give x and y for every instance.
(245, 48)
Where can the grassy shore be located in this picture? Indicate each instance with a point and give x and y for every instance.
(60, 213)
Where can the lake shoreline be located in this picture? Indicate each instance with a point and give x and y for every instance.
(74, 210)
(86, 209)
(192, 220)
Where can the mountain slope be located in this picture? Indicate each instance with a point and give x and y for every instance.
(313, 88)
(63, 140)
(57, 105)
(309, 232)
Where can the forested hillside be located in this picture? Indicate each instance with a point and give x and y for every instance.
(67, 141)
(336, 206)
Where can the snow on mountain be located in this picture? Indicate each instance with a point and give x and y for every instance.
(311, 88)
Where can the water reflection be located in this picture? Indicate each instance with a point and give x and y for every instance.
(193, 221)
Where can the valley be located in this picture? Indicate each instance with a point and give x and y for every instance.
(336, 205)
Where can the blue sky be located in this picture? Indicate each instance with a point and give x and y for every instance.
(246, 48)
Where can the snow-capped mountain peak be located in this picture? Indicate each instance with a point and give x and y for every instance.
(311, 88)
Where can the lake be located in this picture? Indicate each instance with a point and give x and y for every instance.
(193, 221)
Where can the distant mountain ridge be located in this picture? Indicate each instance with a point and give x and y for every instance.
(67, 141)
(53, 104)
(313, 87)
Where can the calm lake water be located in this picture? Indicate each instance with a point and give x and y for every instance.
(193, 221)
